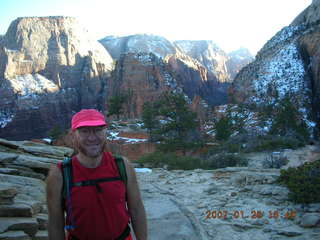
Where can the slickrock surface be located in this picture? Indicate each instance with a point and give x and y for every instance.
(224, 204)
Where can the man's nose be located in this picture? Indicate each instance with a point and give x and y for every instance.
(92, 135)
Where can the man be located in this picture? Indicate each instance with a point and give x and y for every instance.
(100, 211)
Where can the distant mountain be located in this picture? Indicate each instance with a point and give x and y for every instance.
(189, 74)
(287, 65)
(140, 43)
(209, 55)
(237, 60)
(219, 64)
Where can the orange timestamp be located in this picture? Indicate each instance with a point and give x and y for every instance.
(255, 214)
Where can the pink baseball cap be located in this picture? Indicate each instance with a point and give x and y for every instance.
(87, 118)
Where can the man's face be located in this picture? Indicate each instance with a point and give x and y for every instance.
(90, 141)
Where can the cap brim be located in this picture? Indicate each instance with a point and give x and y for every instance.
(90, 124)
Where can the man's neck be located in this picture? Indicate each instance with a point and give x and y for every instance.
(89, 162)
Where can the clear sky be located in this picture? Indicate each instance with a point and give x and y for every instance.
(229, 23)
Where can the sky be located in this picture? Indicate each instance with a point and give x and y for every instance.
(231, 24)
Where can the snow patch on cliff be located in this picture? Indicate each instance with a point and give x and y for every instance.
(31, 84)
(157, 45)
(285, 74)
(5, 118)
(283, 35)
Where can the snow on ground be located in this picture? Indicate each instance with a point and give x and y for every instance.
(143, 170)
(284, 73)
(5, 118)
(113, 136)
(145, 58)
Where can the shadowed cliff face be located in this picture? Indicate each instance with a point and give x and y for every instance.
(143, 77)
(196, 80)
(197, 68)
(49, 68)
(219, 64)
(149, 65)
(287, 64)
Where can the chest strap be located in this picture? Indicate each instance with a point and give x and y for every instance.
(95, 182)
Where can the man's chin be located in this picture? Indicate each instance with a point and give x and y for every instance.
(91, 153)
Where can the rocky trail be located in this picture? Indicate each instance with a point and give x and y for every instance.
(230, 203)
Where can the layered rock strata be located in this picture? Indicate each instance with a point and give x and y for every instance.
(23, 168)
(50, 68)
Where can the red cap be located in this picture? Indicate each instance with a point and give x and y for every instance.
(87, 117)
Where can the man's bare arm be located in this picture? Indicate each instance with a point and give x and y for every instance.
(55, 212)
(135, 204)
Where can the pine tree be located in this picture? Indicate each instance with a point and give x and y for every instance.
(116, 105)
(178, 121)
(149, 118)
(223, 128)
(288, 120)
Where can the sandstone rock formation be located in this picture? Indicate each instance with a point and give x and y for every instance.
(196, 80)
(209, 55)
(287, 64)
(49, 68)
(143, 77)
(23, 168)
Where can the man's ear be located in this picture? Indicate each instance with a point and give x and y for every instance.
(72, 135)
(73, 138)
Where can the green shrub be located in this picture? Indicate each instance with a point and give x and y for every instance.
(272, 143)
(56, 132)
(171, 145)
(303, 182)
(245, 144)
(160, 159)
(223, 160)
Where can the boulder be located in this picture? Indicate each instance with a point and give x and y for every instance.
(310, 220)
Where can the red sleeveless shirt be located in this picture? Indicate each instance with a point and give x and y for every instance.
(98, 214)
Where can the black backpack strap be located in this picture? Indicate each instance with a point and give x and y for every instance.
(121, 168)
(124, 234)
(66, 190)
(67, 176)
